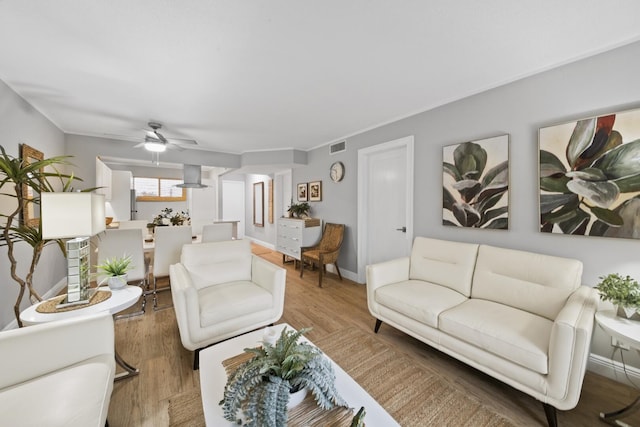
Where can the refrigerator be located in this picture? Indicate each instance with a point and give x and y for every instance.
(132, 204)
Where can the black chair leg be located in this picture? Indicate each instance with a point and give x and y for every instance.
(196, 359)
(377, 328)
(552, 417)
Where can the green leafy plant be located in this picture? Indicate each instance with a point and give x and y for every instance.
(477, 194)
(623, 291)
(116, 266)
(583, 195)
(261, 386)
(41, 176)
(299, 209)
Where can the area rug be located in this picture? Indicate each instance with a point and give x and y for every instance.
(413, 395)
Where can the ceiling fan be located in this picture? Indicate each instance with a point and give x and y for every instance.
(156, 142)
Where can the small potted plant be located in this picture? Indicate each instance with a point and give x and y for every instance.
(262, 387)
(115, 271)
(299, 210)
(624, 292)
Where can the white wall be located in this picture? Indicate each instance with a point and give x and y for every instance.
(21, 123)
(120, 203)
(601, 84)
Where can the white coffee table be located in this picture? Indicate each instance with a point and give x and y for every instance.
(120, 299)
(213, 379)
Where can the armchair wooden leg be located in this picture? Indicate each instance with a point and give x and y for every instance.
(550, 412)
(377, 327)
(338, 269)
(196, 359)
(301, 266)
(320, 270)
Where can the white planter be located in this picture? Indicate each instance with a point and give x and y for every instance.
(117, 282)
(296, 398)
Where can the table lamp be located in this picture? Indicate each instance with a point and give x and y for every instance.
(77, 216)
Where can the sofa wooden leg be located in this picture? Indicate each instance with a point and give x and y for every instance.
(196, 359)
(377, 328)
(552, 417)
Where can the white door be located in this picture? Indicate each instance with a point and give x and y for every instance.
(233, 203)
(385, 202)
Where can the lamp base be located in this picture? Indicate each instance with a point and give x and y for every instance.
(89, 294)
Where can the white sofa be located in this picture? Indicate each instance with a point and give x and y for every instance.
(520, 317)
(220, 290)
(57, 374)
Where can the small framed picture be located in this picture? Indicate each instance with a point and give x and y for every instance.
(315, 191)
(303, 192)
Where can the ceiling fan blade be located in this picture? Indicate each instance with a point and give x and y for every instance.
(139, 145)
(179, 141)
(175, 147)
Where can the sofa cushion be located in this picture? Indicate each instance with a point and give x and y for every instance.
(421, 301)
(539, 284)
(73, 396)
(444, 263)
(231, 301)
(217, 262)
(508, 332)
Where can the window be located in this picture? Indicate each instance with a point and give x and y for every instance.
(158, 189)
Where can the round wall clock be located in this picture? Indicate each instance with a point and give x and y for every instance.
(336, 172)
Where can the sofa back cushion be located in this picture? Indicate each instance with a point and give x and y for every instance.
(443, 262)
(539, 284)
(213, 263)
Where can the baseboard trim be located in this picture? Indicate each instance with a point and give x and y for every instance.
(54, 291)
(613, 369)
(261, 243)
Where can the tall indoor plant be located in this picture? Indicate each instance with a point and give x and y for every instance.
(15, 175)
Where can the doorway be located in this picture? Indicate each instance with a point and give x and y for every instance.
(385, 202)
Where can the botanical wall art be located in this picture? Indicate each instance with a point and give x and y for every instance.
(475, 184)
(315, 191)
(303, 195)
(590, 176)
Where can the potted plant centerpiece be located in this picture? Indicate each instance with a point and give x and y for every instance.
(261, 387)
(299, 210)
(624, 292)
(115, 271)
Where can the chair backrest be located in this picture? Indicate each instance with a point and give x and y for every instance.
(331, 237)
(217, 232)
(117, 243)
(137, 223)
(213, 263)
(168, 246)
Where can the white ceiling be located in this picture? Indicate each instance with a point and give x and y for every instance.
(240, 75)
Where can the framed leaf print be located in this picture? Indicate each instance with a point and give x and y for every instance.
(475, 184)
(590, 176)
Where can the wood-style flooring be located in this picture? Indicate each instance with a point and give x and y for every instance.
(151, 342)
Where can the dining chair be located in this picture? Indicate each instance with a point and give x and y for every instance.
(168, 247)
(325, 252)
(217, 232)
(136, 223)
(116, 243)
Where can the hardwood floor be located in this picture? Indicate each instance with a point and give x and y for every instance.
(151, 342)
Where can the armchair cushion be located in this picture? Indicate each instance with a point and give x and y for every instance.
(231, 300)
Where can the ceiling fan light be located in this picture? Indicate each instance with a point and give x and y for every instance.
(156, 147)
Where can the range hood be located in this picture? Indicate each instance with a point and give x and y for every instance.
(192, 177)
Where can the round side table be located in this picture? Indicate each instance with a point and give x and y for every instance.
(120, 299)
(627, 331)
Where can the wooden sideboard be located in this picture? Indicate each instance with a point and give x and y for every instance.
(295, 233)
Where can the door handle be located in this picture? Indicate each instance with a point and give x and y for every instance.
(403, 229)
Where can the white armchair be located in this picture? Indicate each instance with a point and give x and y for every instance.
(57, 374)
(221, 290)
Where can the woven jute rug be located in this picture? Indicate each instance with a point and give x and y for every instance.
(413, 395)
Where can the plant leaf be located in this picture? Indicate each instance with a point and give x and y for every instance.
(580, 139)
(602, 193)
(470, 159)
(550, 202)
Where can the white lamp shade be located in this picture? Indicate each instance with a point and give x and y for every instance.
(71, 214)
